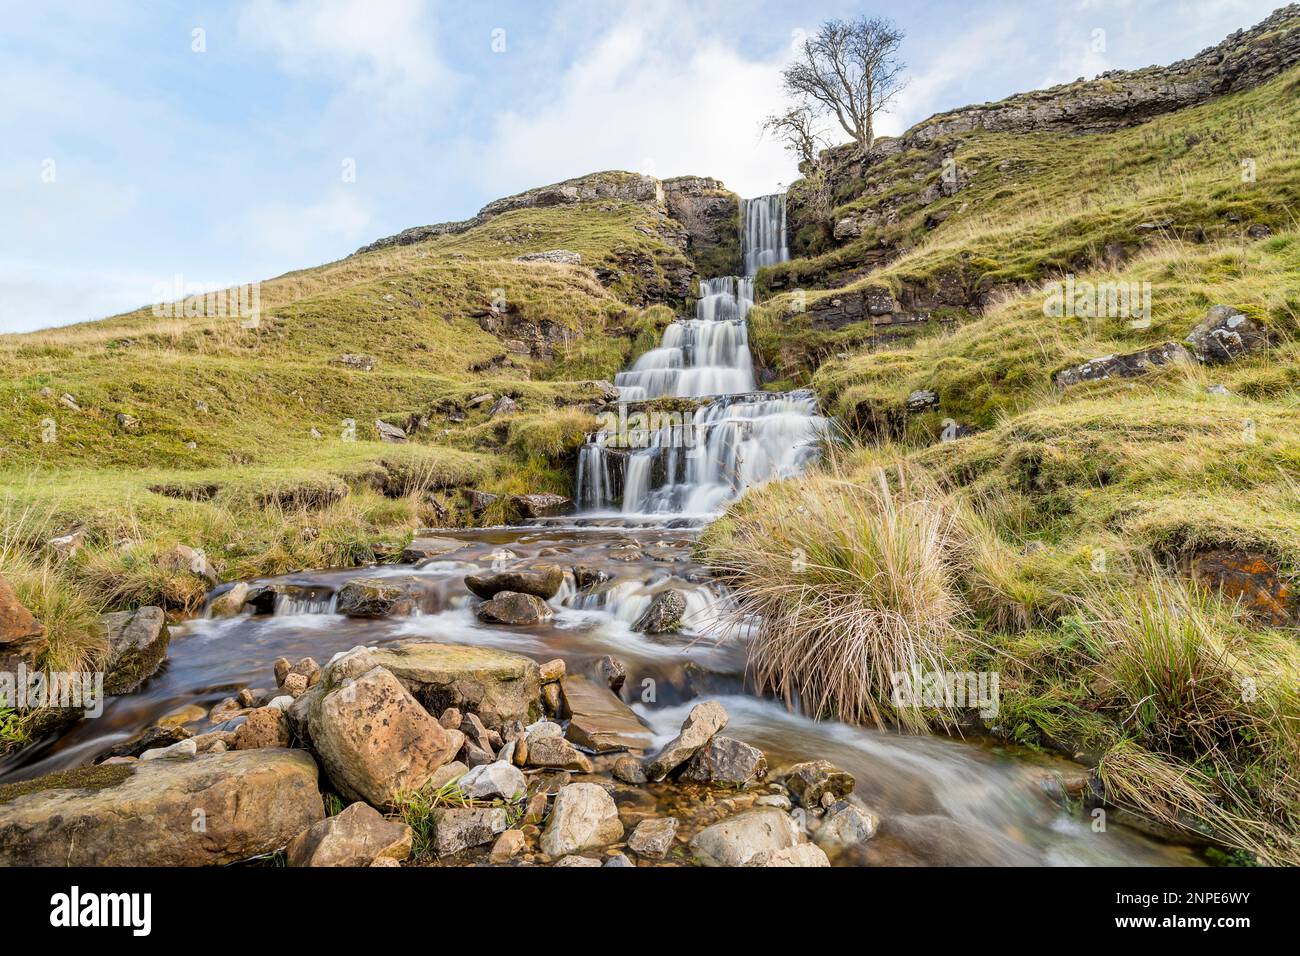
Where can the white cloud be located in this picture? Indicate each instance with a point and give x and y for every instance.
(383, 49)
(655, 93)
(38, 295)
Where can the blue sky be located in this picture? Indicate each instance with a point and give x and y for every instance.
(134, 149)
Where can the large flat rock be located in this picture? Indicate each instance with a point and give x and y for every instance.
(208, 810)
(599, 720)
(497, 685)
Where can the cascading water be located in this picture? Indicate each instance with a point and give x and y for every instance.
(659, 462)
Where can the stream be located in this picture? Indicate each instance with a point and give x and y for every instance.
(642, 497)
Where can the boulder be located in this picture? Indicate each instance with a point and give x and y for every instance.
(704, 720)
(584, 816)
(612, 671)
(725, 762)
(22, 637)
(543, 581)
(498, 686)
(552, 670)
(736, 840)
(664, 615)
(508, 845)
(137, 644)
(183, 559)
(531, 507)
(229, 602)
(808, 782)
(356, 837)
(459, 828)
(586, 577)
(848, 822)
(921, 400)
(598, 720)
(1129, 365)
(424, 547)
(263, 727)
(489, 781)
(374, 739)
(629, 770)
(550, 749)
(515, 609)
(1225, 335)
(389, 433)
(380, 596)
(653, 838)
(505, 405)
(209, 810)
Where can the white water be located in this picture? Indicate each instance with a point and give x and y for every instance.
(696, 463)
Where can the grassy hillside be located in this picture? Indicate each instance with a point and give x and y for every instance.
(1071, 539)
(234, 437)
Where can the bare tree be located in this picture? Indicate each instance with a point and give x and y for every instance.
(850, 69)
(797, 129)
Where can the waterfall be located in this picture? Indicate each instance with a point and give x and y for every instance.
(693, 462)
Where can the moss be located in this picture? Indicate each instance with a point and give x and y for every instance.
(101, 777)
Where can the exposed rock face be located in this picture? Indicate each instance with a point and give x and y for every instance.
(22, 637)
(808, 782)
(144, 814)
(725, 762)
(374, 739)
(562, 257)
(704, 720)
(710, 214)
(584, 817)
(664, 615)
(1129, 365)
(137, 645)
(543, 581)
(496, 685)
(513, 608)
(1224, 335)
(380, 597)
(736, 840)
(356, 837)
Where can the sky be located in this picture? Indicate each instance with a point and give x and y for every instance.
(226, 142)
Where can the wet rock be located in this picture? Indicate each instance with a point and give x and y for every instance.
(459, 828)
(552, 671)
(229, 602)
(543, 581)
(808, 782)
(515, 609)
(552, 700)
(183, 559)
(281, 669)
(22, 637)
(736, 840)
(355, 837)
(653, 838)
(143, 813)
(584, 817)
(425, 547)
(599, 721)
(153, 738)
(137, 645)
(664, 615)
(379, 597)
(805, 854)
(586, 577)
(848, 822)
(263, 727)
(704, 720)
(725, 762)
(374, 739)
(497, 686)
(612, 671)
(1129, 365)
(629, 770)
(498, 779)
(188, 714)
(1225, 335)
